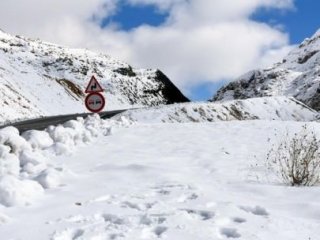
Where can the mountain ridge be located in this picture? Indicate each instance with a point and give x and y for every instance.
(41, 79)
(298, 76)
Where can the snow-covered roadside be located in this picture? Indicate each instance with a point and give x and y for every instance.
(267, 108)
(26, 168)
(172, 181)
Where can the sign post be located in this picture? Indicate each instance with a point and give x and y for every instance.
(94, 101)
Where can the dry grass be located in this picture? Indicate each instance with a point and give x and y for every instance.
(296, 159)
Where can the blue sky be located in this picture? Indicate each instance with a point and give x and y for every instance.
(300, 22)
(129, 16)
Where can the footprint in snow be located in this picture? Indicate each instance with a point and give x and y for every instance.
(114, 236)
(183, 193)
(167, 188)
(77, 234)
(152, 219)
(230, 232)
(203, 214)
(163, 192)
(187, 197)
(69, 234)
(159, 230)
(113, 219)
(137, 206)
(151, 233)
(257, 210)
(239, 220)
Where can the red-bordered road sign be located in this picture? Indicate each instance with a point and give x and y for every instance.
(95, 102)
(93, 86)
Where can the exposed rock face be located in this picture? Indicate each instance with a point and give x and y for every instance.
(170, 92)
(298, 75)
(41, 79)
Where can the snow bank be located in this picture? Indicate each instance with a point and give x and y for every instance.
(38, 139)
(9, 136)
(267, 108)
(15, 192)
(25, 165)
(9, 164)
(49, 178)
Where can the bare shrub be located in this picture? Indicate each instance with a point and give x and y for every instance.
(296, 159)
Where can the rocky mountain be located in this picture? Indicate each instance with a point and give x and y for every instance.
(266, 108)
(298, 76)
(41, 79)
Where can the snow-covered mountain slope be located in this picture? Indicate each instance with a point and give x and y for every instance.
(298, 75)
(38, 78)
(267, 108)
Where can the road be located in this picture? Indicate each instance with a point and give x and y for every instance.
(42, 123)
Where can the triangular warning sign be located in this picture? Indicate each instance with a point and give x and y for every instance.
(93, 86)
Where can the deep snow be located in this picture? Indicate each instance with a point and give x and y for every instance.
(160, 181)
(267, 108)
(25, 165)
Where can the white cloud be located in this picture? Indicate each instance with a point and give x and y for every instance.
(161, 4)
(208, 53)
(201, 40)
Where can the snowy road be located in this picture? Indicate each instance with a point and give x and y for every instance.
(171, 181)
(44, 122)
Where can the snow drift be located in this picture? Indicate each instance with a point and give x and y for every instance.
(272, 108)
(25, 165)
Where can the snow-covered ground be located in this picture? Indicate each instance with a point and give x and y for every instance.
(266, 108)
(187, 181)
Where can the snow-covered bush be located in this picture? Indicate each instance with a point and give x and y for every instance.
(296, 159)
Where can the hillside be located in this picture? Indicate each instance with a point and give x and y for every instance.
(267, 108)
(298, 76)
(41, 79)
